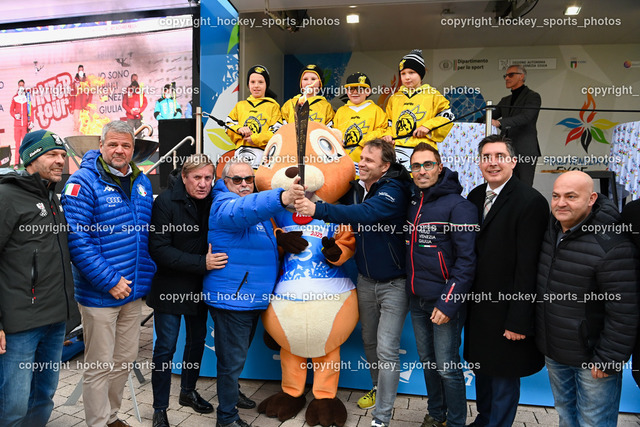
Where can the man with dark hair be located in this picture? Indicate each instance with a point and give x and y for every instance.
(36, 286)
(379, 198)
(587, 312)
(500, 321)
(440, 268)
(108, 205)
(519, 124)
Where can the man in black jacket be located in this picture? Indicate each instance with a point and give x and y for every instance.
(519, 124)
(36, 286)
(500, 322)
(587, 315)
(631, 217)
(178, 245)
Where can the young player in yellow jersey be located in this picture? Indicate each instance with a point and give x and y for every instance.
(255, 119)
(416, 109)
(361, 119)
(319, 108)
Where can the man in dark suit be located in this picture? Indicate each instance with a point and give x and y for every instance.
(520, 124)
(500, 322)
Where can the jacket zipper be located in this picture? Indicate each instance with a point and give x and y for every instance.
(244, 279)
(414, 237)
(52, 206)
(34, 276)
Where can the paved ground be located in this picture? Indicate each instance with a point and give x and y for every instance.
(409, 410)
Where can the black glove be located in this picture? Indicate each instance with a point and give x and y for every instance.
(291, 242)
(330, 250)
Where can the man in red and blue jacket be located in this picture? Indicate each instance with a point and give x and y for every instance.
(441, 234)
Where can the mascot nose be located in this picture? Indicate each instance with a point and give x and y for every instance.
(291, 172)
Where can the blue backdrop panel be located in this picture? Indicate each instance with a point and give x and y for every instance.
(264, 364)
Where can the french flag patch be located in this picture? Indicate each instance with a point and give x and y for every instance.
(72, 189)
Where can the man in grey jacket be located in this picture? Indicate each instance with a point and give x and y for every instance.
(36, 287)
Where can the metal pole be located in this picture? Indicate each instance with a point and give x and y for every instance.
(488, 128)
(198, 130)
(170, 152)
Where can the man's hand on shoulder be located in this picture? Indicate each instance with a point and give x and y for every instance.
(121, 290)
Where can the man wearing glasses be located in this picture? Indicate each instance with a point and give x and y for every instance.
(516, 116)
(440, 269)
(240, 226)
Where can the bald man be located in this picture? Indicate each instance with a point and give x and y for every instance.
(587, 315)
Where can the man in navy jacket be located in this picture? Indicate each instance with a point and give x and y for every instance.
(440, 270)
(376, 208)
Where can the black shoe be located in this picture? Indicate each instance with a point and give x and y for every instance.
(236, 423)
(160, 419)
(244, 402)
(193, 399)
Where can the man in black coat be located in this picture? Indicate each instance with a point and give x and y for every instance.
(631, 217)
(178, 245)
(587, 311)
(500, 320)
(518, 124)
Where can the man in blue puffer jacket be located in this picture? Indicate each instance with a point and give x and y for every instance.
(240, 226)
(441, 259)
(108, 207)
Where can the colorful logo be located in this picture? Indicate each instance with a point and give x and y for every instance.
(587, 130)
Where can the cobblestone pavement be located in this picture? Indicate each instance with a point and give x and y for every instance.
(409, 410)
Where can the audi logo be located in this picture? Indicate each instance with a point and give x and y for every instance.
(114, 199)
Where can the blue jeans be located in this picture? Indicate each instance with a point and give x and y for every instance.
(167, 328)
(439, 350)
(29, 375)
(233, 331)
(383, 308)
(582, 400)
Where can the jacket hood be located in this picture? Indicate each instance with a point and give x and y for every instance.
(89, 159)
(396, 171)
(31, 183)
(602, 212)
(448, 183)
(219, 187)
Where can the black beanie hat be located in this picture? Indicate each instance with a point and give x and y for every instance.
(259, 69)
(311, 68)
(414, 61)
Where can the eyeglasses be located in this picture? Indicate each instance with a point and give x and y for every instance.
(237, 180)
(509, 75)
(415, 167)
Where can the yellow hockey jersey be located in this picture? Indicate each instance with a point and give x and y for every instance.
(359, 124)
(409, 109)
(261, 115)
(319, 110)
